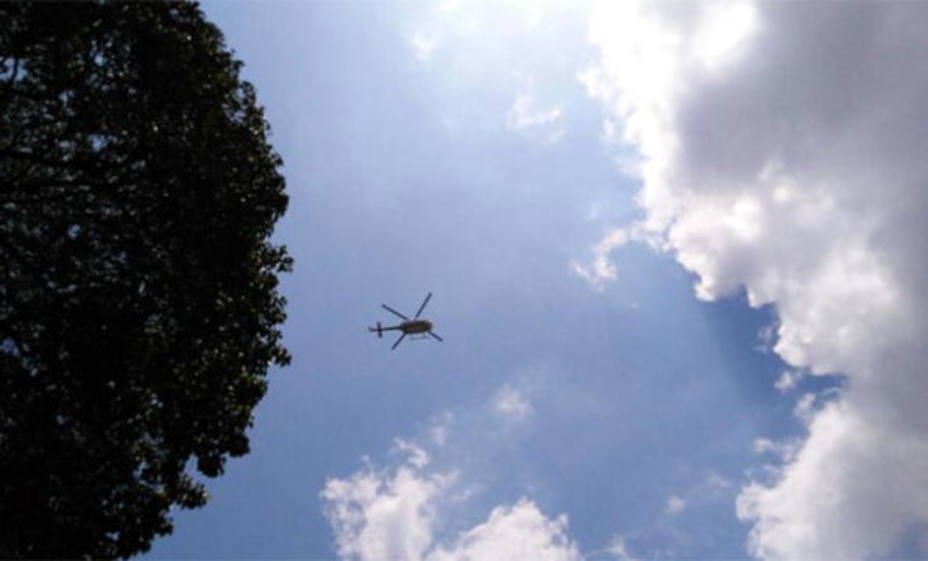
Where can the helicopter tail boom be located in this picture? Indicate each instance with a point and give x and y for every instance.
(378, 330)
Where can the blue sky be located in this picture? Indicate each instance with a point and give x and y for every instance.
(483, 153)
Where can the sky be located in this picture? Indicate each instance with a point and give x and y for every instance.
(677, 257)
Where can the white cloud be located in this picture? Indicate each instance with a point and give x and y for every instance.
(484, 51)
(716, 485)
(378, 515)
(512, 403)
(711, 489)
(788, 380)
(820, 508)
(805, 407)
(766, 338)
(785, 449)
(440, 428)
(519, 531)
(416, 455)
(675, 505)
(722, 27)
(601, 270)
(619, 549)
(780, 150)
(423, 45)
(544, 123)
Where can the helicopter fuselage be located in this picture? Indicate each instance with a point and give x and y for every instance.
(415, 326)
(409, 327)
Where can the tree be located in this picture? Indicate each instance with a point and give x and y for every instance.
(139, 311)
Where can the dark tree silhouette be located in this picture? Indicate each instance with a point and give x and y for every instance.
(139, 311)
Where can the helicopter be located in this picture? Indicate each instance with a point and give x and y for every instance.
(409, 326)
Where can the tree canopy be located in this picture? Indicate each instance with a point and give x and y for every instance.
(139, 311)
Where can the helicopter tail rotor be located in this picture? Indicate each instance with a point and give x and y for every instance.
(378, 330)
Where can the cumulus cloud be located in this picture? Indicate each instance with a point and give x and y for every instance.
(527, 116)
(423, 45)
(380, 515)
(440, 428)
(502, 64)
(711, 489)
(849, 491)
(675, 505)
(394, 514)
(601, 269)
(805, 407)
(512, 532)
(618, 549)
(788, 380)
(780, 151)
(512, 403)
(784, 449)
(416, 455)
